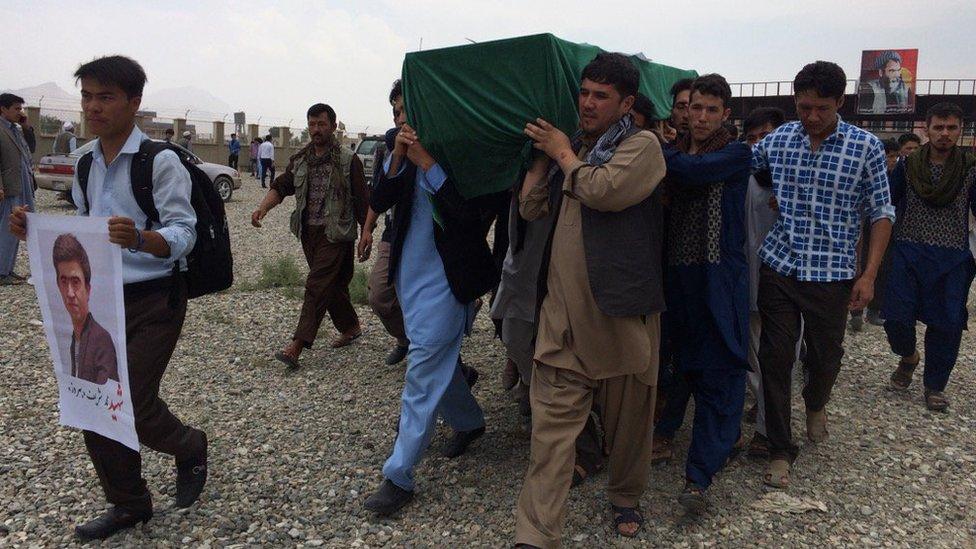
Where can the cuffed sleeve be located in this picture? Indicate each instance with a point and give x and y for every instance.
(171, 194)
(433, 179)
(874, 178)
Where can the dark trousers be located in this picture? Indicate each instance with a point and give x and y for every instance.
(152, 328)
(232, 161)
(383, 297)
(941, 349)
(267, 168)
(823, 305)
(719, 396)
(254, 167)
(330, 270)
(677, 394)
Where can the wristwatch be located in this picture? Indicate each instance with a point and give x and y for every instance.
(139, 243)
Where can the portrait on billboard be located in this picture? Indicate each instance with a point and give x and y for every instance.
(887, 84)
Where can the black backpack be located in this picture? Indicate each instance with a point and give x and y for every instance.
(210, 265)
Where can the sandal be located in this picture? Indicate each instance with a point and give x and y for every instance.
(661, 450)
(778, 474)
(693, 498)
(936, 401)
(627, 515)
(901, 378)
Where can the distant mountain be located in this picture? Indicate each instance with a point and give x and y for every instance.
(52, 94)
(186, 98)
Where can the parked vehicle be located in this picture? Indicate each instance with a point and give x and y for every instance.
(366, 150)
(56, 172)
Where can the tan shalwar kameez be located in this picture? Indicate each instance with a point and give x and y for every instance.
(581, 351)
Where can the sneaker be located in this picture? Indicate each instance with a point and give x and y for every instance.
(856, 323)
(460, 441)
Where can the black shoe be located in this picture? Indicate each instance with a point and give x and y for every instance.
(190, 478)
(396, 355)
(693, 498)
(460, 442)
(388, 499)
(112, 521)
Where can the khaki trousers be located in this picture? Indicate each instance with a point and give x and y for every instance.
(561, 402)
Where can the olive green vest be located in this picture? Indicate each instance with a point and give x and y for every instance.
(342, 223)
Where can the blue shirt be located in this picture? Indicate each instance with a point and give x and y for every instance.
(234, 146)
(110, 194)
(820, 196)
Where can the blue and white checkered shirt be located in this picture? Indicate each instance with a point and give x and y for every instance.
(821, 196)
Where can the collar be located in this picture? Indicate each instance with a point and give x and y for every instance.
(840, 131)
(131, 145)
(9, 124)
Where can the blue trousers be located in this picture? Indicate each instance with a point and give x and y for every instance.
(434, 386)
(941, 349)
(719, 396)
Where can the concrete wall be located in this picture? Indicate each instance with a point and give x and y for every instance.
(208, 152)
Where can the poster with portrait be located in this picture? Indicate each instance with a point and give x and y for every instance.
(77, 274)
(887, 83)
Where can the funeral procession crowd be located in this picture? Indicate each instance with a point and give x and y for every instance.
(637, 263)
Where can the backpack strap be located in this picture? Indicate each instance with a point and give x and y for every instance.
(82, 169)
(140, 174)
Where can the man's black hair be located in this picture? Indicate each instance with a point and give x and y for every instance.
(258, 139)
(319, 108)
(233, 135)
(823, 77)
(680, 86)
(115, 70)
(169, 131)
(943, 110)
(396, 90)
(644, 107)
(714, 85)
(614, 69)
(8, 100)
(891, 145)
(761, 116)
(908, 136)
(67, 248)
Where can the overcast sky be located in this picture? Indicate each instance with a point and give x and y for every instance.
(274, 58)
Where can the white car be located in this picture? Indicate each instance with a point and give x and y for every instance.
(56, 172)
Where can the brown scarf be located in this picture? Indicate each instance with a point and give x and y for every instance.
(719, 139)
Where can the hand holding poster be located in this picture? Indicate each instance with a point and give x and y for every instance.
(77, 274)
(887, 83)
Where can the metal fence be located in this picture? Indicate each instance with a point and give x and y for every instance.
(951, 86)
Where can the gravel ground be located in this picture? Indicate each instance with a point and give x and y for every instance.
(293, 456)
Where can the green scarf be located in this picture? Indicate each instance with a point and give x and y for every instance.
(938, 193)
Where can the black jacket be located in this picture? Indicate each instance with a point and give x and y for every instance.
(461, 243)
